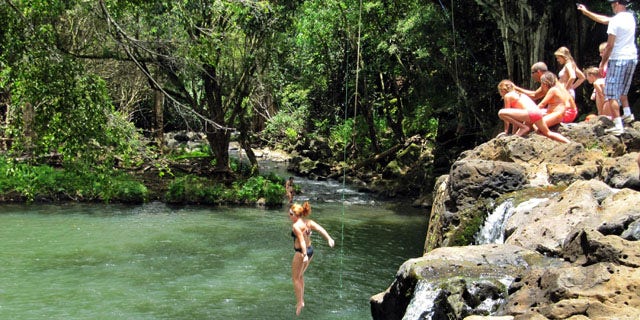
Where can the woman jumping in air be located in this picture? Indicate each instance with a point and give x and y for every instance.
(301, 233)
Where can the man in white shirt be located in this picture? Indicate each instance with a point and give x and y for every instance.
(620, 58)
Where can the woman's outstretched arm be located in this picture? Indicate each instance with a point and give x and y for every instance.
(316, 226)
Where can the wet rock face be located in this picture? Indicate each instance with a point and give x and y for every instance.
(574, 254)
(455, 282)
(474, 179)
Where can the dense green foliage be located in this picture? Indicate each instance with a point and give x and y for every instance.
(362, 75)
(192, 189)
(73, 116)
(24, 182)
(44, 183)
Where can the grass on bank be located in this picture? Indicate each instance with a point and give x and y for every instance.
(198, 190)
(22, 182)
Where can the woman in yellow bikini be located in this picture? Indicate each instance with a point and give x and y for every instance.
(301, 233)
(522, 113)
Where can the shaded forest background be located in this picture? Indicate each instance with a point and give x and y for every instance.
(86, 80)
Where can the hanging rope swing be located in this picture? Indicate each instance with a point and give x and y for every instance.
(355, 109)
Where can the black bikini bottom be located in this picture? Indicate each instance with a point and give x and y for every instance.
(309, 251)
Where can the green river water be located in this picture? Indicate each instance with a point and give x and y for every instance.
(93, 261)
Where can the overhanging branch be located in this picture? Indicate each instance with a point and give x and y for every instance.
(126, 42)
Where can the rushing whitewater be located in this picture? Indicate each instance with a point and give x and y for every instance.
(494, 225)
(425, 295)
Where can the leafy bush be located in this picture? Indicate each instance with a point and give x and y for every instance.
(269, 188)
(192, 189)
(422, 122)
(340, 135)
(286, 125)
(127, 191)
(35, 182)
(273, 194)
(188, 189)
(250, 190)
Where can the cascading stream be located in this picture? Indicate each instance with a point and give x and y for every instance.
(492, 232)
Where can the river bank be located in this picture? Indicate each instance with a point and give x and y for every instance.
(184, 174)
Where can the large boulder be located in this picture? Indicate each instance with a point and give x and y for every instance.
(598, 291)
(511, 163)
(571, 253)
(473, 179)
(454, 282)
(547, 225)
(550, 249)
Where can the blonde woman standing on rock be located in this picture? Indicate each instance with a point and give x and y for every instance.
(303, 250)
(570, 75)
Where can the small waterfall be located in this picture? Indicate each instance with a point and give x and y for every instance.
(494, 225)
(493, 229)
(421, 305)
(427, 292)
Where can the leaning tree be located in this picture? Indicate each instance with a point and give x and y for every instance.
(204, 56)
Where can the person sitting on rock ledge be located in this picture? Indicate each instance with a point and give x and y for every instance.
(561, 108)
(522, 113)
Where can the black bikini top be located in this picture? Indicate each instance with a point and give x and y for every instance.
(293, 234)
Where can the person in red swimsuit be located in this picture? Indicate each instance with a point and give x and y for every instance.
(522, 113)
(561, 107)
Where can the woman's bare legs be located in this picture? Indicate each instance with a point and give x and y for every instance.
(554, 118)
(516, 117)
(544, 130)
(298, 267)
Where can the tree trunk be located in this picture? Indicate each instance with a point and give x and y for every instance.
(252, 156)
(219, 142)
(396, 119)
(368, 116)
(218, 138)
(5, 120)
(523, 31)
(245, 142)
(28, 116)
(159, 119)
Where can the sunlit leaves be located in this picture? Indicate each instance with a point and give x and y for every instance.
(72, 110)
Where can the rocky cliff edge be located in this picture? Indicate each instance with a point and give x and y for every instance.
(571, 254)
